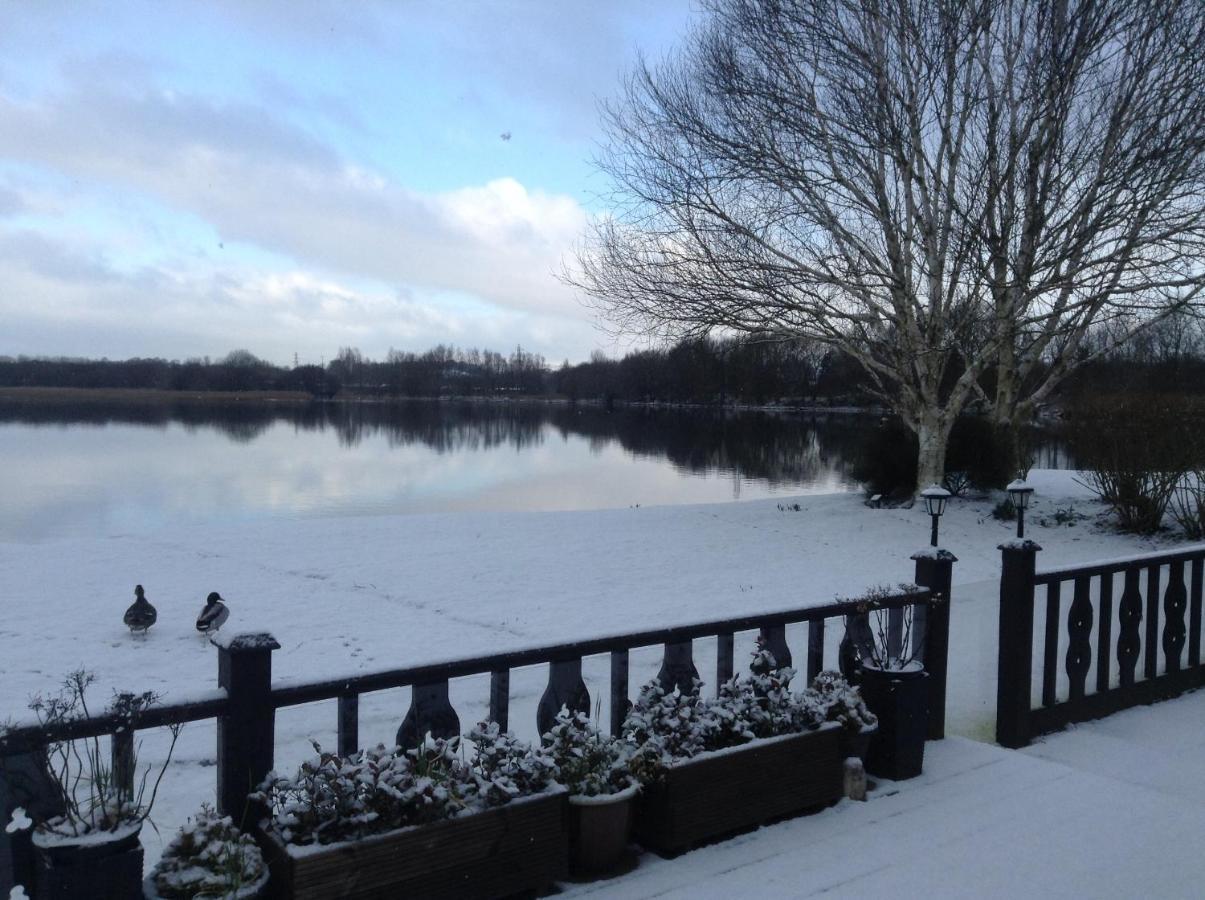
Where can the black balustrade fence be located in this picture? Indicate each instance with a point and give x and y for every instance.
(1078, 643)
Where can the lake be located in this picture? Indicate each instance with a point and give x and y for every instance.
(74, 468)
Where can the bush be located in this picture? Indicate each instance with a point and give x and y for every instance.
(978, 455)
(1188, 504)
(588, 762)
(886, 460)
(208, 857)
(1135, 451)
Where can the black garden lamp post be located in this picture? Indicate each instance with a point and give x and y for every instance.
(1019, 493)
(935, 502)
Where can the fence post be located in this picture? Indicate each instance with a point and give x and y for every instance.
(246, 734)
(935, 571)
(1015, 664)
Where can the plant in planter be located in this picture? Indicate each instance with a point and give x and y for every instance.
(602, 790)
(91, 848)
(754, 753)
(839, 701)
(423, 822)
(209, 858)
(895, 686)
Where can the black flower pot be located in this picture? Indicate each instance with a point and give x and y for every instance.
(599, 829)
(91, 869)
(901, 702)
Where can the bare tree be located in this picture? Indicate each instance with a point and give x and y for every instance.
(954, 193)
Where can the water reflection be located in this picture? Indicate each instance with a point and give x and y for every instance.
(778, 448)
(107, 466)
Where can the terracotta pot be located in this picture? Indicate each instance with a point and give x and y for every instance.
(599, 830)
(91, 868)
(901, 702)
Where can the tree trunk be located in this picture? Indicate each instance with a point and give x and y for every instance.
(932, 433)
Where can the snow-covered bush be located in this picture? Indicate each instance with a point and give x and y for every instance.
(505, 767)
(839, 701)
(208, 857)
(666, 726)
(334, 798)
(588, 762)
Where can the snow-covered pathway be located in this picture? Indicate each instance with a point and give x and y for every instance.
(1107, 809)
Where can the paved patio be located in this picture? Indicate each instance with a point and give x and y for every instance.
(1114, 808)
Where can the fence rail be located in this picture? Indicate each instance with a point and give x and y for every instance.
(246, 701)
(1118, 614)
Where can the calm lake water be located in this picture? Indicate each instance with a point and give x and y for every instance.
(121, 467)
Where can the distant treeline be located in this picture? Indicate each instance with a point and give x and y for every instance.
(699, 371)
(749, 370)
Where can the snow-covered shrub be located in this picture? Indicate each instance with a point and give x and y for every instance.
(90, 790)
(208, 857)
(334, 798)
(666, 726)
(588, 762)
(505, 767)
(839, 701)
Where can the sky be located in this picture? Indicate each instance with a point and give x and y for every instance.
(184, 179)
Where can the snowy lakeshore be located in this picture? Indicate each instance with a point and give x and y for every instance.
(359, 594)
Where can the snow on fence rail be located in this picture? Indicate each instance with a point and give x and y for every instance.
(1103, 676)
(246, 701)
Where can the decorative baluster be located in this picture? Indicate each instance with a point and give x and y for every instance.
(1079, 644)
(1104, 642)
(430, 712)
(1194, 615)
(678, 667)
(500, 698)
(619, 690)
(856, 645)
(121, 757)
(1150, 657)
(723, 658)
(815, 648)
(895, 633)
(565, 688)
(349, 724)
(1175, 603)
(1129, 615)
(774, 637)
(1050, 668)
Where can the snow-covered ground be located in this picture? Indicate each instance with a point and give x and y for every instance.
(361, 594)
(1107, 809)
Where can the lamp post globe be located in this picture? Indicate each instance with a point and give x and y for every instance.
(935, 497)
(1019, 492)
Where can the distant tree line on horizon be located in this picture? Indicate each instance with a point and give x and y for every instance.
(753, 370)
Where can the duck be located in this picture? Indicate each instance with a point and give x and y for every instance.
(141, 615)
(214, 615)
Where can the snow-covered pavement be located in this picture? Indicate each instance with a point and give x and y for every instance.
(1108, 809)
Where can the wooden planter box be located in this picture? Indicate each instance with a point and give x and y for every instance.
(522, 846)
(716, 794)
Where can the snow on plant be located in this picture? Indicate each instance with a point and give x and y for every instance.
(334, 798)
(208, 857)
(664, 726)
(871, 633)
(505, 767)
(89, 787)
(839, 701)
(589, 763)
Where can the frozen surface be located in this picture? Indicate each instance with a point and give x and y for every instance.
(360, 594)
